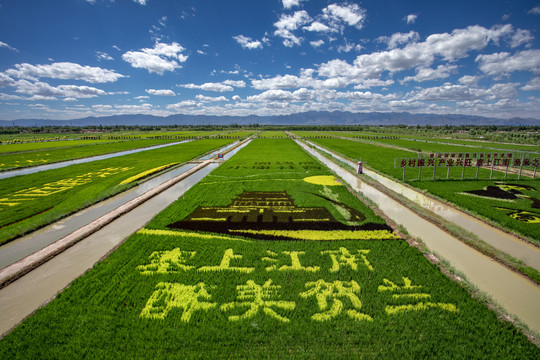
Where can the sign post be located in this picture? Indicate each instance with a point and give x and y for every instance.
(505, 162)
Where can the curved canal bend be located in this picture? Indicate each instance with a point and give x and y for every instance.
(516, 294)
(21, 298)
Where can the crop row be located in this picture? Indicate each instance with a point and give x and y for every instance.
(424, 143)
(77, 151)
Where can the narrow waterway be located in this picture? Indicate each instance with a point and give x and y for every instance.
(39, 239)
(497, 238)
(58, 165)
(22, 297)
(515, 293)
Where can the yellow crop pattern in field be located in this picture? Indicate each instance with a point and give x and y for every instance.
(51, 188)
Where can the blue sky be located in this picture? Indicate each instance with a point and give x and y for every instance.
(67, 59)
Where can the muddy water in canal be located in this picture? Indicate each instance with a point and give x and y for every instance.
(515, 293)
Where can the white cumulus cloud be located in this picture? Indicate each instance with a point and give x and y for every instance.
(534, 11)
(447, 46)
(505, 63)
(162, 57)
(235, 83)
(103, 56)
(203, 98)
(317, 26)
(64, 70)
(425, 74)
(160, 92)
(399, 39)
(182, 105)
(532, 85)
(287, 4)
(351, 14)
(45, 90)
(217, 87)
(6, 80)
(411, 18)
(247, 43)
(289, 23)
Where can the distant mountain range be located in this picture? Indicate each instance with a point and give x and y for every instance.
(306, 118)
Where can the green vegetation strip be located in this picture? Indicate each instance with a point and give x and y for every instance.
(31, 201)
(421, 142)
(517, 209)
(79, 150)
(42, 145)
(514, 205)
(185, 293)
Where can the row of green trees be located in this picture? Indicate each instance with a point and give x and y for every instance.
(514, 134)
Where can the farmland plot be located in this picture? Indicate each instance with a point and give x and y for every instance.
(417, 141)
(30, 201)
(514, 204)
(80, 149)
(292, 283)
(516, 210)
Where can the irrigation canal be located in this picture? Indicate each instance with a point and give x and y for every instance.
(58, 165)
(37, 240)
(518, 295)
(495, 237)
(21, 298)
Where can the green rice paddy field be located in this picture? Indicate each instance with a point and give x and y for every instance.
(30, 201)
(511, 203)
(12, 157)
(419, 139)
(232, 270)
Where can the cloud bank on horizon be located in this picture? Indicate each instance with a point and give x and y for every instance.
(75, 58)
